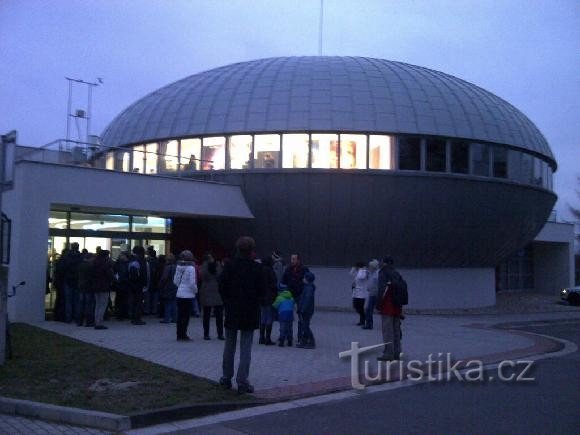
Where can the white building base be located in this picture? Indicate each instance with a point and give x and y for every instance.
(428, 288)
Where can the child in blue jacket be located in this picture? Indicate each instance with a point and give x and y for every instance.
(305, 312)
(284, 303)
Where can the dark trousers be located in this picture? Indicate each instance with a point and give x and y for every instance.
(183, 313)
(218, 310)
(136, 304)
(359, 307)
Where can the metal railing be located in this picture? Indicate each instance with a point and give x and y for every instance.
(98, 156)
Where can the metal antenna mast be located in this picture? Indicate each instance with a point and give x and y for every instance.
(79, 114)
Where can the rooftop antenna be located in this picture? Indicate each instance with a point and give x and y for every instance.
(320, 25)
(79, 114)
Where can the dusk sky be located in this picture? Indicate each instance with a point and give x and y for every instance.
(525, 51)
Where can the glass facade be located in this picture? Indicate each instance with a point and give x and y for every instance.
(107, 231)
(295, 150)
(324, 148)
(267, 151)
(409, 153)
(436, 158)
(353, 151)
(331, 151)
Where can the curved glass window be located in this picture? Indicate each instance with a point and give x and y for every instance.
(139, 159)
(381, 152)
(240, 151)
(324, 151)
(168, 156)
(460, 157)
(295, 151)
(267, 151)
(500, 162)
(409, 153)
(353, 151)
(213, 153)
(436, 155)
(480, 159)
(190, 154)
(151, 158)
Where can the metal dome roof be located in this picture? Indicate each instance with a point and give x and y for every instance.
(323, 93)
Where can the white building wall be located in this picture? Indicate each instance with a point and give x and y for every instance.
(39, 186)
(428, 288)
(553, 250)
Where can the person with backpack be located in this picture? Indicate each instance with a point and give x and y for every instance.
(392, 290)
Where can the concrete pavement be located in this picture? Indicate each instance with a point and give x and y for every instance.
(285, 373)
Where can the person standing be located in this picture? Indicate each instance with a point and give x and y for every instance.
(137, 270)
(277, 266)
(390, 313)
(86, 306)
(294, 276)
(305, 312)
(241, 287)
(186, 281)
(266, 309)
(168, 290)
(209, 296)
(72, 262)
(102, 283)
(373, 285)
(360, 282)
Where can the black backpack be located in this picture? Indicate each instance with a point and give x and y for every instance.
(399, 290)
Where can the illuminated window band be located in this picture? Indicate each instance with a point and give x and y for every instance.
(330, 151)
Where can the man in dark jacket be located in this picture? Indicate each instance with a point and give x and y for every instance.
(294, 276)
(241, 288)
(390, 313)
(72, 262)
(137, 270)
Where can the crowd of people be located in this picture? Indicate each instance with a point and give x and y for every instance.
(243, 294)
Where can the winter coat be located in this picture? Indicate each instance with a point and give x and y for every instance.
(306, 302)
(373, 283)
(72, 262)
(360, 284)
(167, 289)
(270, 286)
(386, 306)
(278, 268)
(186, 281)
(294, 279)
(153, 274)
(241, 286)
(85, 272)
(140, 282)
(284, 303)
(209, 295)
(102, 275)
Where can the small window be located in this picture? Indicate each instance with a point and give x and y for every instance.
(138, 159)
(190, 155)
(527, 169)
(460, 157)
(409, 153)
(213, 153)
(151, 158)
(240, 154)
(267, 151)
(325, 151)
(57, 220)
(353, 151)
(500, 162)
(480, 159)
(168, 156)
(110, 161)
(381, 152)
(295, 151)
(436, 155)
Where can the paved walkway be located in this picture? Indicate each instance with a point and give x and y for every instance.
(283, 372)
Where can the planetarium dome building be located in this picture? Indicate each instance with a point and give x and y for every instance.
(349, 158)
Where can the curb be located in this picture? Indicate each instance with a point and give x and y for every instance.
(63, 414)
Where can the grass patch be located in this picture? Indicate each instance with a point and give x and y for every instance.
(51, 368)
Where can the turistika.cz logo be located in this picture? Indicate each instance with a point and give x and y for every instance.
(434, 369)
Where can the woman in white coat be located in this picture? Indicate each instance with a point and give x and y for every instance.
(186, 283)
(360, 276)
